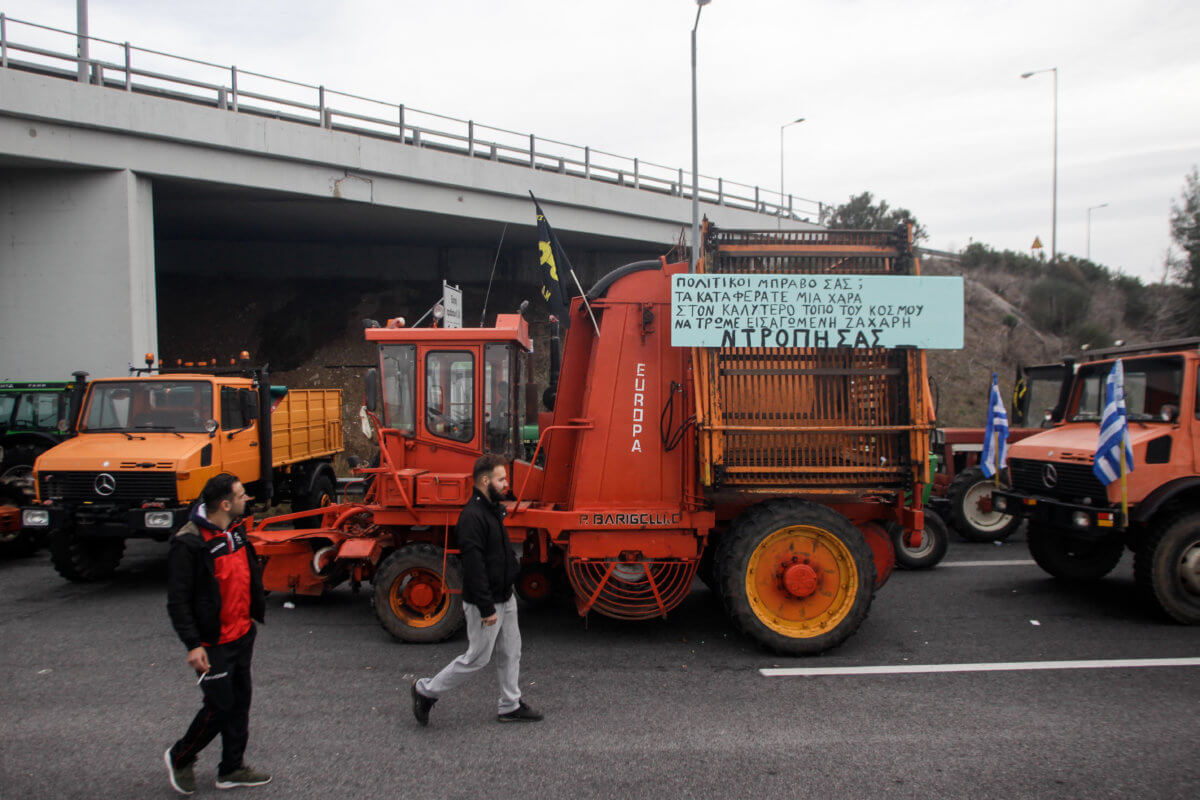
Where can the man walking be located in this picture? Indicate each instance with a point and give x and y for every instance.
(214, 594)
(489, 572)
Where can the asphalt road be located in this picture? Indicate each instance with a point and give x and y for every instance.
(95, 687)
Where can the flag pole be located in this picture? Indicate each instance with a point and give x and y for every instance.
(1124, 484)
(557, 246)
(996, 451)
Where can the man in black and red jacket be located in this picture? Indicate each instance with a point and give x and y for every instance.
(214, 594)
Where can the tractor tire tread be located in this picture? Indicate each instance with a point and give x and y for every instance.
(741, 538)
(1159, 589)
(432, 557)
(84, 560)
(955, 493)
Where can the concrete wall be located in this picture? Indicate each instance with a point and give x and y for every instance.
(77, 284)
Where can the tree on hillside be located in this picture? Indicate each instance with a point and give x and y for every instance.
(1185, 232)
(861, 212)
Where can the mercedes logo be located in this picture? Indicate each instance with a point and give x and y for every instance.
(1049, 476)
(105, 484)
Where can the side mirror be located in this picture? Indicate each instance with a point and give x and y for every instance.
(249, 403)
(371, 389)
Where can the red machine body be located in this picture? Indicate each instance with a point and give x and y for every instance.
(613, 501)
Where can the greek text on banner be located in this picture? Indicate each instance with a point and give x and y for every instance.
(816, 311)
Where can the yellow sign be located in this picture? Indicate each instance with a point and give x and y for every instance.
(1037, 243)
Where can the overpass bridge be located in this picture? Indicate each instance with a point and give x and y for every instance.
(133, 171)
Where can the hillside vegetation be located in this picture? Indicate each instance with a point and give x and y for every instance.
(1021, 310)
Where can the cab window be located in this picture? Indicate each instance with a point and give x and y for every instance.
(450, 395)
(399, 388)
(499, 400)
(232, 417)
(7, 403)
(38, 410)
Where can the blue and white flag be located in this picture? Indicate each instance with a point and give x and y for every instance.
(1114, 430)
(997, 428)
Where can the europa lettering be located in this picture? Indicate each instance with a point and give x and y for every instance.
(639, 406)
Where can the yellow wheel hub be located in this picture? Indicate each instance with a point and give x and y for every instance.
(801, 581)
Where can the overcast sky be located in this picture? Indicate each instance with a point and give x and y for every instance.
(920, 103)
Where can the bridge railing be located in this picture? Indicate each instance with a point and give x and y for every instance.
(52, 51)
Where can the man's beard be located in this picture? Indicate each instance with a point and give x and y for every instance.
(494, 495)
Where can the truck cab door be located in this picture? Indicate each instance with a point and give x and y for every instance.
(237, 443)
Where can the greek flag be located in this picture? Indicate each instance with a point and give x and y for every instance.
(997, 428)
(1114, 430)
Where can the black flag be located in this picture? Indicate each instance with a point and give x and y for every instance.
(549, 252)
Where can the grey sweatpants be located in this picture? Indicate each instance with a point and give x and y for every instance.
(504, 638)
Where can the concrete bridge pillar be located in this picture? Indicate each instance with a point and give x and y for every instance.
(77, 287)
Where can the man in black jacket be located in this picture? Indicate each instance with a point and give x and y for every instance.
(489, 572)
(214, 594)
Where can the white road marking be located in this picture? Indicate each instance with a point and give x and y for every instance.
(1015, 563)
(999, 666)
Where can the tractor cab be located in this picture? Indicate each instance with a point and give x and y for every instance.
(445, 396)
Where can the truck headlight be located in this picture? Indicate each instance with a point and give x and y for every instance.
(35, 518)
(159, 519)
(999, 503)
(1081, 519)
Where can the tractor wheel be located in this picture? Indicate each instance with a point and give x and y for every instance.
(18, 543)
(796, 577)
(320, 495)
(84, 559)
(410, 599)
(536, 585)
(971, 511)
(1070, 558)
(934, 542)
(1166, 567)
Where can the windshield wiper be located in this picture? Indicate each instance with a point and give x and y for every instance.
(166, 428)
(126, 434)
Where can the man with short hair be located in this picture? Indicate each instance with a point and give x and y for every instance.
(489, 572)
(214, 594)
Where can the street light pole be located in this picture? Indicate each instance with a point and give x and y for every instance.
(1054, 211)
(781, 129)
(81, 39)
(700, 4)
(1089, 228)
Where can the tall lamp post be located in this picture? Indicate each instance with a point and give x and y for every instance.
(1054, 213)
(81, 38)
(700, 4)
(796, 121)
(1089, 228)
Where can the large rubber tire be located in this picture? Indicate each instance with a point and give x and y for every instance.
(970, 508)
(768, 544)
(321, 494)
(20, 543)
(1072, 559)
(410, 600)
(84, 559)
(1166, 567)
(934, 542)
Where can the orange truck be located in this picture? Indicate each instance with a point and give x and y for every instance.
(1077, 529)
(147, 443)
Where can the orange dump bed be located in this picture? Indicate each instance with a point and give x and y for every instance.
(306, 423)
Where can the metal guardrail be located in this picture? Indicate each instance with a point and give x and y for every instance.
(243, 91)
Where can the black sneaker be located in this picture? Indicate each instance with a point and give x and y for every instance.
(183, 779)
(245, 776)
(521, 713)
(421, 705)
